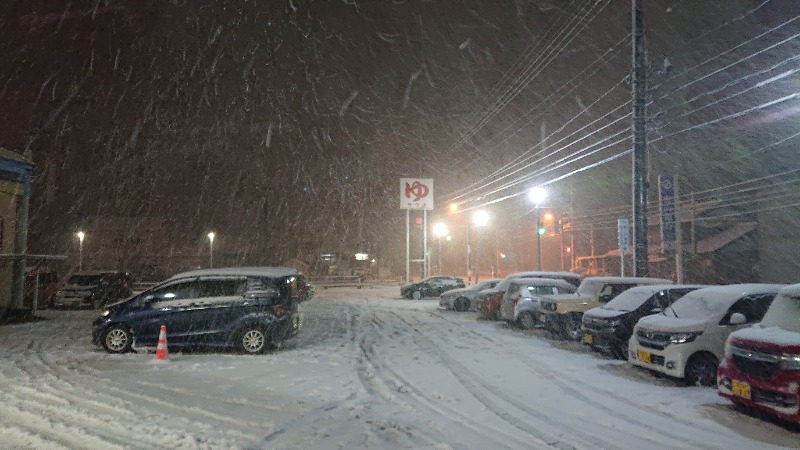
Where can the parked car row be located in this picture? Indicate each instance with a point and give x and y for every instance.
(742, 338)
(92, 289)
(250, 309)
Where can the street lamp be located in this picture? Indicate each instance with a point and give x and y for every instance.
(440, 231)
(480, 218)
(80, 235)
(211, 249)
(537, 196)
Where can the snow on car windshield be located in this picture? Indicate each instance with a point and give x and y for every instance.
(590, 288)
(629, 300)
(699, 305)
(784, 312)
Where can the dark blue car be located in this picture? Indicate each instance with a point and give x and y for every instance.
(249, 309)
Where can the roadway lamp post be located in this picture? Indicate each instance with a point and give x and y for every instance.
(440, 231)
(81, 235)
(537, 196)
(480, 218)
(211, 249)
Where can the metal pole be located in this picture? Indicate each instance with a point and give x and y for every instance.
(469, 250)
(622, 263)
(538, 240)
(571, 247)
(439, 251)
(425, 260)
(561, 236)
(80, 255)
(477, 256)
(211, 253)
(408, 246)
(678, 237)
(639, 159)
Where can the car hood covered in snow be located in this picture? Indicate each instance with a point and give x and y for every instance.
(660, 322)
(604, 313)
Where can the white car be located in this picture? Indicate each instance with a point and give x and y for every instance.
(520, 303)
(687, 340)
(463, 299)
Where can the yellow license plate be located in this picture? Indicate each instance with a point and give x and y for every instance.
(643, 356)
(587, 338)
(740, 389)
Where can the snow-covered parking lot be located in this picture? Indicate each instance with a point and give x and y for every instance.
(368, 370)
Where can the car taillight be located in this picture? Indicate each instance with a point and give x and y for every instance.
(516, 300)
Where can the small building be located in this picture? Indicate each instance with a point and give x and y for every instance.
(15, 190)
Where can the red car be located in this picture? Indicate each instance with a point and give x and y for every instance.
(488, 303)
(761, 369)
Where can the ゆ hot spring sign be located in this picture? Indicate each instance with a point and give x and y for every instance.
(416, 193)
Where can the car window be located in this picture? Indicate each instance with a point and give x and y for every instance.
(752, 307)
(660, 300)
(177, 291)
(538, 291)
(224, 287)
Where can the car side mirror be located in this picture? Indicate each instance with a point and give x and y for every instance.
(737, 319)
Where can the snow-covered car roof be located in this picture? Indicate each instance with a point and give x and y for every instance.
(629, 280)
(241, 271)
(541, 281)
(94, 273)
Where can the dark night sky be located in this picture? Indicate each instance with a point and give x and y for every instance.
(287, 123)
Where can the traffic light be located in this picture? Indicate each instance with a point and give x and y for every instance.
(541, 230)
(418, 221)
(567, 249)
(502, 255)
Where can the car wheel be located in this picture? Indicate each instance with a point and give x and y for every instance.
(117, 339)
(252, 340)
(416, 295)
(527, 321)
(462, 304)
(701, 370)
(572, 327)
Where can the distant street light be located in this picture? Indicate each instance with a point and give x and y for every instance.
(480, 218)
(81, 235)
(537, 196)
(211, 249)
(440, 230)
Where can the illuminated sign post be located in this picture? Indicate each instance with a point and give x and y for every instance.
(416, 194)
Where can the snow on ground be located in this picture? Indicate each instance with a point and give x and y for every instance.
(368, 370)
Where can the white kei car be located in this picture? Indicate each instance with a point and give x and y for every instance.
(687, 340)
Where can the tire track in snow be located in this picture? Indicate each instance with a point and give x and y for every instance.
(572, 388)
(468, 426)
(476, 387)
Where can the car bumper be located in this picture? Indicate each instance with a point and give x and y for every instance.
(603, 338)
(670, 361)
(778, 396)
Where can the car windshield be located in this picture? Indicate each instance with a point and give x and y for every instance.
(629, 300)
(699, 304)
(85, 280)
(784, 312)
(590, 288)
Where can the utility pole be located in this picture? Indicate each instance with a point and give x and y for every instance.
(639, 163)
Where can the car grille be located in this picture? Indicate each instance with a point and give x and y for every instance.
(755, 363)
(773, 398)
(652, 339)
(594, 323)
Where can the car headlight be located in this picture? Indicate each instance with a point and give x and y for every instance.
(790, 361)
(682, 338)
(105, 313)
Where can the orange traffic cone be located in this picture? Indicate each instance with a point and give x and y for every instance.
(161, 349)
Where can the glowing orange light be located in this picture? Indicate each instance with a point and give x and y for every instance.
(548, 216)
